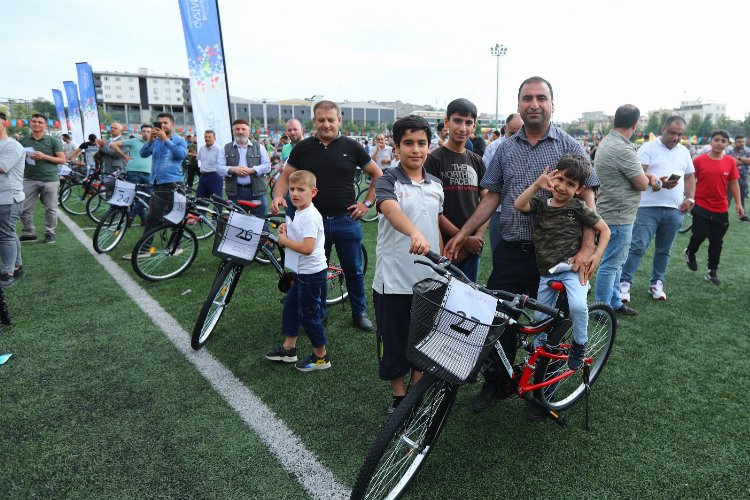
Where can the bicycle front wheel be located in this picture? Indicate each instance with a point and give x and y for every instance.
(602, 327)
(372, 213)
(97, 205)
(204, 223)
(687, 223)
(72, 198)
(110, 230)
(406, 440)
(164, 252)
(218, 299)
(336, 281)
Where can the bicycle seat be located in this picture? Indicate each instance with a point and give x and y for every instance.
(249, 203)
(556, 285)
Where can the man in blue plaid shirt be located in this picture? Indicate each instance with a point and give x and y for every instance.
(519, 161)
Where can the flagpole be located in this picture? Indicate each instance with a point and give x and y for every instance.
(223, 55)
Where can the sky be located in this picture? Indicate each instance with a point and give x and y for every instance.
(596, 54)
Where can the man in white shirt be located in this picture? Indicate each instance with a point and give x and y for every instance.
(383, 154)
(209, 182)
(662, 207)
(12, 195)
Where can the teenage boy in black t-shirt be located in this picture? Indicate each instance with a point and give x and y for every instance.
(460, 171)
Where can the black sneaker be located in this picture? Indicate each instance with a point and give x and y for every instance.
(576, 356)
(281, 354)
(690, 260)
(49, 239)
(27, 237)
(362, 322)
(626, 311)
(486, 398)
(394, 404)
(712, 278)
(7, 280)
(312, 362)
(744, 218)
(18, 273)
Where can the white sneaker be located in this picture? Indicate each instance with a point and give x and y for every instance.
(657, 290)
(624, 291)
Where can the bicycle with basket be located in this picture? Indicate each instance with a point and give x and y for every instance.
(450, 347)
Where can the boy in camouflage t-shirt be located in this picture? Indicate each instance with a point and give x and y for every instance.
(558, 230)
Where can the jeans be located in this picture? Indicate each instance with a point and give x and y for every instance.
(144, 179)
(10, 245)
(711, 225)
(302, 307)
(610, 269)
(47, 192)
(470, 267)
(743, 191)
(246, 193)
(577, 306)
(346, 234)
(660, 223)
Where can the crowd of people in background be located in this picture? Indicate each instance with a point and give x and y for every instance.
(438, 190)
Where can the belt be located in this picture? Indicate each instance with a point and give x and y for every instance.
(170, 185)
(524, 246)
(245, 186)
(334, 215)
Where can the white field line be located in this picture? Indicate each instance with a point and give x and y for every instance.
(315, 478)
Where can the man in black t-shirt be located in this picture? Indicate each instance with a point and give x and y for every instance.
(461, 171)
(334, 160)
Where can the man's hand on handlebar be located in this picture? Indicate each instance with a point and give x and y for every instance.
(277, 202)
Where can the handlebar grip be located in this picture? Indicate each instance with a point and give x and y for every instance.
(219, 199)
(435, 257)
(551, 311)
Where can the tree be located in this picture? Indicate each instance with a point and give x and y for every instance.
(44, 107)
(693, 125)
(706, 127)
(725, 123)
(590, 126)
(746, 124)
(652, 126)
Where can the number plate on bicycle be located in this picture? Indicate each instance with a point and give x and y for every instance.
(124, 194)
(63, 170)
(241, 236)
(179, 207)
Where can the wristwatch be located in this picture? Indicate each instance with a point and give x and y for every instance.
(368, 203)
(690, 200)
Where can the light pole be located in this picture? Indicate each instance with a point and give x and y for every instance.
(498, 51)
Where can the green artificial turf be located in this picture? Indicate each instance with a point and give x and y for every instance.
(96, 402)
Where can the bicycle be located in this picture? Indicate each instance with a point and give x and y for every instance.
(687, 223)
(231, 267)
(542, 379)
(371, 214)
(77, 187)
(111, 229)
(168, 250)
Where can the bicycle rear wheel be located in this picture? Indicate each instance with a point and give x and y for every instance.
(372, 213)
(406, 440)
(110, 230)
(336, 280)
(204, 224)
(218, 299)
(164, 252)
(687, 223)
(602, 328)
(72, 198)
(97, 205)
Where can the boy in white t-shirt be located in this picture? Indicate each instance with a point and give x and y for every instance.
(303, 239)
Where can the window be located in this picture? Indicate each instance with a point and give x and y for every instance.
(156, 91)
(119, 96)
(132, 88)
(117, 78)
(118, 87)
(105, 78)
(179, 99)
(107, 87)
(108, 96)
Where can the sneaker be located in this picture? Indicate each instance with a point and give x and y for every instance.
(49, 239)
(486, 398)
(690, 260)
(394, 404)
(657, 291)
(312, 362)
(281, 354)
(576, 356)
(712, 278)
(625, 291)
(744, 218)
(7, 280)
(18, 273)
(362, 322)
(27, 237)
(626, 311)
(177, 252)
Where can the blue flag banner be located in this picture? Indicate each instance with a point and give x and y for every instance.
(60, 108)
(74, 112)
(88, 99)
(208, 84)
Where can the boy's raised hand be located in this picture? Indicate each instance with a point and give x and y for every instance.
(545, 180)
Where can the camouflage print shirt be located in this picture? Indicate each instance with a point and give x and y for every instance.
(558, 230)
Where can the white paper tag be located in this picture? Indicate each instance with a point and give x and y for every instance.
(241, 236)
(179, 208)
(124, 194)
(63, 170)
(30, 151)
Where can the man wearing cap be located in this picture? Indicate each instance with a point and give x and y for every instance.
(43, 154)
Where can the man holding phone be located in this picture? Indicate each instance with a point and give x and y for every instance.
(334, 158)
(167, 150)
(662, 205)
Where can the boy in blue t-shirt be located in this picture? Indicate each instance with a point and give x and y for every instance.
(304, 241)
(558, 230)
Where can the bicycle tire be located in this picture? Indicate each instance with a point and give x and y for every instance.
(372, 214)
(687, 223)
(336, 281)
(97, 205)
(204, 226)
(602, 328)
(153, 257)
(73, 198)
(406, 440)
(217, 301)
(110, 230)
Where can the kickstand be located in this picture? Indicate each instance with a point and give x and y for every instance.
(587, 389)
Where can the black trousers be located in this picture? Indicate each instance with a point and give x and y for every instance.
(711, 225)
